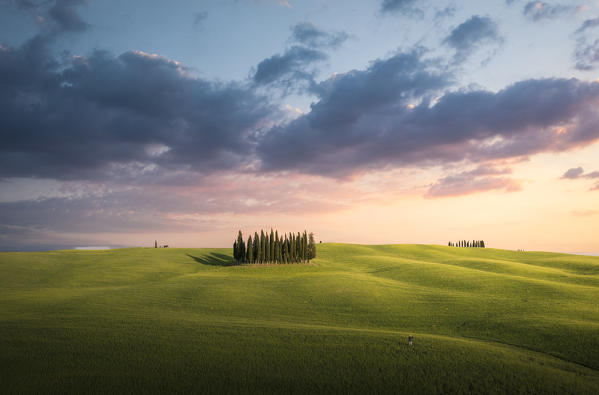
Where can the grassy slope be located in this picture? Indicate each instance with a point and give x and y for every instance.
(182, 320)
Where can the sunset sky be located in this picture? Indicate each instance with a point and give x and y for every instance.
(388, 121)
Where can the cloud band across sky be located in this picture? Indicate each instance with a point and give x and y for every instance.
(141, 111)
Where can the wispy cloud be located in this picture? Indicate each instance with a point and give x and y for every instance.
(539, 10)
(288, 68)
(588, 24)
(400, 6)
(481, 179)
(585, 213)
(586, 55)
(308, 34)
(578, 172)
(471, 35)
(294, 68)
(199, 18)
(573, 173)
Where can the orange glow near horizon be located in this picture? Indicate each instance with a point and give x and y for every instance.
(387, 207)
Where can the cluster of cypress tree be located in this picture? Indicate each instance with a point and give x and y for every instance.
(468, 243)
(263, 248)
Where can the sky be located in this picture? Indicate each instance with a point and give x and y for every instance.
(387, 121)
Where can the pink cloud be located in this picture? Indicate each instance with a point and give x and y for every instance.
(482, 179)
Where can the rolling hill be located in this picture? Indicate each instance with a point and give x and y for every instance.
(188, 320)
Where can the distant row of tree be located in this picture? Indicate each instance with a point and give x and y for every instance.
(467, 243)
(264, 248)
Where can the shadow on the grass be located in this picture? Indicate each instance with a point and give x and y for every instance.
(214, 259)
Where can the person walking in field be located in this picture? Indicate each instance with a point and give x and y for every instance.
(410, 338)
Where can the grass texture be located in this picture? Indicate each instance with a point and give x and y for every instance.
(189, 320)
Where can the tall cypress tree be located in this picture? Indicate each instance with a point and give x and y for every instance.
(276, 258)
(267, 247)
(275, 249)
(257, 248)
(250, 250)
(311, 247)
(292, 247)
(304, 246)
(295, 248)
(262, 246)
(271, 246)
(298, 247)
(239, 250)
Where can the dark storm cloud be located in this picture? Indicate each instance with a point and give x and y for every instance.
(288, 68)
(471, 34)
(309, 35)
(400, 6)
(86, 117)
(482, 179)
(368, 119)
(340, 123)
(538, 10)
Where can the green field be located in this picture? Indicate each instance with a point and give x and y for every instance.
(188, 320)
